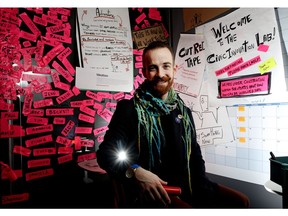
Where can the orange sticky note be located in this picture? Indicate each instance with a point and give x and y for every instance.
(241, 118)
(242, 139)
(241, 108)
(242, 129)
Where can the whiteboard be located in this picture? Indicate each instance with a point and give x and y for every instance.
(257, 128)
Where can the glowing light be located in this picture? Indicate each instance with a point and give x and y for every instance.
(122, 155)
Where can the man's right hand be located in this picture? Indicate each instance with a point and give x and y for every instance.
(151, 186)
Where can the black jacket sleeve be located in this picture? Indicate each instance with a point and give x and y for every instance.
(120, 136)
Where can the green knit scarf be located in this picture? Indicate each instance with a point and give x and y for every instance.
(149, 109)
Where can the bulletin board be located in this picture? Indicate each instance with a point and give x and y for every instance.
(48, 125)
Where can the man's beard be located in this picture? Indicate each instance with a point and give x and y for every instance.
(159, 90)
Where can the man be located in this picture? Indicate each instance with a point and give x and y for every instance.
(157, 133)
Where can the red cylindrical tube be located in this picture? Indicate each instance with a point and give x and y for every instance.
(172, 190)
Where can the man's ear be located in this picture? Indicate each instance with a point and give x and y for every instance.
(144, 72)
(175, 69)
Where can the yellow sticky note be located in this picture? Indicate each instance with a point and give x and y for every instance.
(242, 129)
(242, 139)
(267, 65)
(241, 108)
(241, 118)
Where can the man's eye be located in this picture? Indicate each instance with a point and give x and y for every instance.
(166, 66)
(152, 68)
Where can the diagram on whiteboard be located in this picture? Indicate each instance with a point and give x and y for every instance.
(209, 129)
(209, 121)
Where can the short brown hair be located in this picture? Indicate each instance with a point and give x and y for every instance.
(158, 44)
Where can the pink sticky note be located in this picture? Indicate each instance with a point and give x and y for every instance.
(28, 36)
(100, 130)
(93, 95)
(128, 97)
(59, 112)
(87, 143)
(88, 156)
(30, 23)
(7, 199)
(39, 21)
(9, 115)
(65, 158)
(138, 58)
(140, 18)
(11, 175)
(50, 93)
(118, 96)
(36, 112)
(87, 110)
(65, 150)
(154, 14)
(77, 143)
(63, 140)
(65, 96)
(111, 105)
(63, 86)
(51, 54)
(38, 141)
(138, 65)
(44, 151)
(12, 131)
(263, 48)
(76, 90)
(39, 162)
(6, 175)
(59, 120)
(105, 114)
(136, 28)
(137, 52)
(37, 120)
(43, 103)
(88, 102)
(21, 150)
(98, 106)
(100, 138)
(147, 23)
(26, 44)
(39, 129)
(86, 118)
(69, 66)
(135, 84)
(83, 130)
(39, 174)
(68, 127)
(76, 103)
(64, 54)
(62, 71)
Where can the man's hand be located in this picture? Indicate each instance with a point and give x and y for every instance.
(151, 185)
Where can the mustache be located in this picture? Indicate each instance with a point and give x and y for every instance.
(163, 79)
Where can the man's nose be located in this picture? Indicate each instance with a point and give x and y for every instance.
(160, 72)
